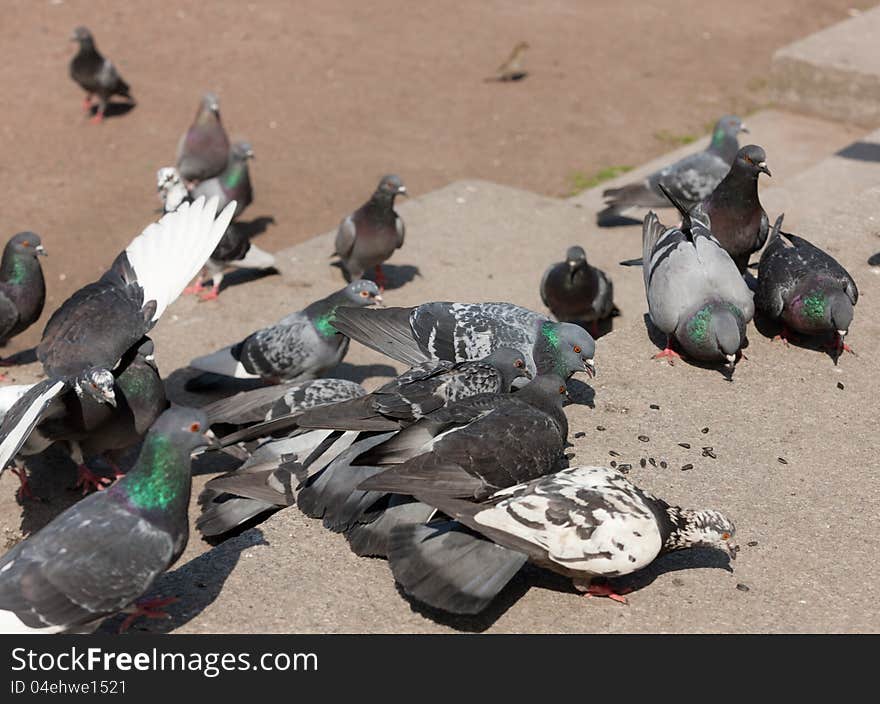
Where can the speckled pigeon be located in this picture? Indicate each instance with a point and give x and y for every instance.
(368, 237)
(95, 75)
(695, 293)
(478, 445)
(736, 217)
(22, 288)
(101, 324)
(204, 148)
(458, 332)
(690, 180)
(582, 522)
(804, 288)
(104, 552)
(235, 249)
(576, 292)
(301, 346)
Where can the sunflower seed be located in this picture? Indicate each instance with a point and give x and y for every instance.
(752, 543)
(652, 461)
(685, 445)
(840, 385)
(663, 464)
(613, 464)
(686, 467)
(613, 453)
(644, 438)
(654, 407)
(704, 430)
(600, 428)
(643, 462)
(742, 587)
(782, 460)
(580, 434)
(624, 467)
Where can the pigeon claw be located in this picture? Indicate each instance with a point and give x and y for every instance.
(605, 590)
(87, 103)
(669, 354)
(212, 295)
(89, 481)
(24, 491)
(148, 608)
(195, 289)
(97, 118)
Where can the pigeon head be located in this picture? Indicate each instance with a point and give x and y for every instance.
(544, 390)
(724, 137)
(389, 187)
(82, 35)
(210, 105)
(166, 178)
(510, 363)
(185, 428)
(576, 258)
(170, 188)
(818, 306)
(700, 529)
(714, 332)
(362, 293)
(96, 383)
(752, 160)
(564, 349)
(241, 151)
(27, 244)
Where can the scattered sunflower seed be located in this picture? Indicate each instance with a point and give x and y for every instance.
(704, 430)
(678, 581)
(685, 445)
(782, 460)
(600, 428)
(652, 461)
(709, 452)
(686, 467)
(654, 407)
(624, 467)
(663, 464)
(613, 453)
(580, 434)
(742, 587)
(752, 543)
(644, 438)
(840, 385)
(643, 462)
(613, 464)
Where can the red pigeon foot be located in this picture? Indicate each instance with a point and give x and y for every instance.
(88, 480)
(148, 608)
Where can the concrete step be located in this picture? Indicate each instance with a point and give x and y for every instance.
(834, 73)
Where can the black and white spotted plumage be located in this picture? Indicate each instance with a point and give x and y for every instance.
(583, 522)
(694, 289)
(690, 180)
(301, 346)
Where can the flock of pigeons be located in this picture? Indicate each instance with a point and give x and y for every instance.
(454, 471)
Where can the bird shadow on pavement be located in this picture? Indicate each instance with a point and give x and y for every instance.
(237, 277)
(211, 388)
(256, 227)
(396, 275)
(672, 562)
(658, 338)
(616, 221)
(195, 584)
(817, 343)
(28, 356)
(114, 109)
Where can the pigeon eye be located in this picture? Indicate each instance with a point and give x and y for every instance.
(364, 294)
(562, 389)
(195, 427)
(25, 244)
(519, 364)
(577, 349)
(725, 536)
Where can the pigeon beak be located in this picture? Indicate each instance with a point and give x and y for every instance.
(590, 368)
(110, 398)
(401, 191)
(378, 300)
(731, 359)
(762, 166)
(527, 374)
(842, 333)
(211, 441)
(41, 251)
(743, 128)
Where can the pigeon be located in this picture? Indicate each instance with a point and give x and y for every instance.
(95, 75)
(418, 392)
(737, 219)
(695, 293)
(368, 237)
(104, 552)
(512, 69)
(691, 179)
(204, 148)
(270, 402)
(459, 332)
(235, 249)
(583, 522)
(301, 346)
(473, 447)
(103, 323)
(804, 288)
(22, 287)
(576, 292)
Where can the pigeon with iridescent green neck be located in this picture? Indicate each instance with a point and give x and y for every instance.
(22, 288)
(695, 292)
(690, 180)
(805, 288)
(459, 332)
(104, 552)
(301, 346)
(204, 148)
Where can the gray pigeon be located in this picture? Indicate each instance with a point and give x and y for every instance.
(582, 522)
(235, 249)
(473, 447)
(368, 237)
(301, 346)
(204, 148)
(804, 288)
(100, 555)
(460, 332)
(104, 323)
(22, 287)
(736, 217)
(690, 180)
(695, 293)
(576, 292)
(95, 75)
